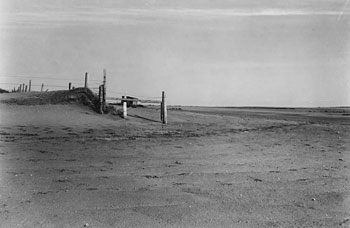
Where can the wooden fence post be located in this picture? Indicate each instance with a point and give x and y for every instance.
(104, 91)
(125, 112)
(42, 87)
(161, 111)
(164, 109)
(70, 86)
(20, 88)
(23, 87)
(100, 98)
(86, 80)
(26, 88)
(30, 86)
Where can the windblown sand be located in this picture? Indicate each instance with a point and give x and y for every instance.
(66, 166)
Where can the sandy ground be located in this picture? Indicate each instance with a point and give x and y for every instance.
(65, 166)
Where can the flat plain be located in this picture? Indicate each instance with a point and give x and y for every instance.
(64, 165)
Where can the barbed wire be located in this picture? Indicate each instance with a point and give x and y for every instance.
(92, 88)
(142, 97)
(46, 85)
(132, 95)
(119, 93)
(49, 78)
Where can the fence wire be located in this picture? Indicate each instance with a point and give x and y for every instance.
(49, 78)
(93, 85)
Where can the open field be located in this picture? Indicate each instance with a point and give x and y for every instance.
(66, 166)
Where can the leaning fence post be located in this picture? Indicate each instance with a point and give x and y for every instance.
(23, 85)
(30, 86)
(26, 88)
(20, 88)
(164, 109)
(70, 86)
(42, 87)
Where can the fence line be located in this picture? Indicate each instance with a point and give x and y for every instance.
(133, 95)
(100, 90)
(56, 79)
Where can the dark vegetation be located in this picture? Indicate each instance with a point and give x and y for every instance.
(3, 91)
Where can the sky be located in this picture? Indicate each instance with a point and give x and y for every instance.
(216, 53)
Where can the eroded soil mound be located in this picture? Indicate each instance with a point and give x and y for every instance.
(78, 95)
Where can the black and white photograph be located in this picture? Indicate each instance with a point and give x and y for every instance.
(174, 114)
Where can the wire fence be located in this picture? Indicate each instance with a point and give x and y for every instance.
(14, 83)
(96, 86)
(53, 78)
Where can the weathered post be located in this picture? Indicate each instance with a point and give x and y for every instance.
(125, 112)
(104, 89)
(42, 87)
(161, 111)
(103, 98)
(164, 109)
(26, 88)
(86, 80)
(30, 86)
(20, 88)
(70, 86)
(23, 87)
(100, 98)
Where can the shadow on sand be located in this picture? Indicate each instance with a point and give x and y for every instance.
(144, 118)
